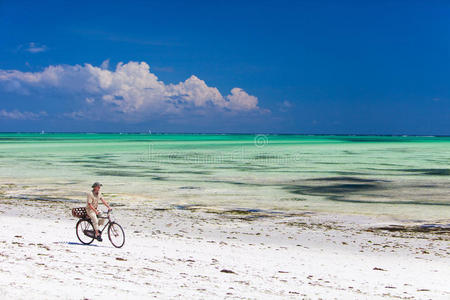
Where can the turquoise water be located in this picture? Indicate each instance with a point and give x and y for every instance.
(402, 177)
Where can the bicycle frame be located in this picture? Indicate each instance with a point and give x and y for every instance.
(106, 225)
(109, 222)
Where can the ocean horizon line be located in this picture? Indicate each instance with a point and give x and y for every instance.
(218, 133)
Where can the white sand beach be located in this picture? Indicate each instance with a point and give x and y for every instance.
(172, 253)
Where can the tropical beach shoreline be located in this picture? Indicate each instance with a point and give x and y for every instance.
(195, 253)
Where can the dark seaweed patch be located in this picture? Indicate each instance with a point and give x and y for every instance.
(438, 172)
(332, 189)
(90, 165)
(338, 188)
(348, 179)
(227, 182)
(342, 199)
(345, 189)
(349, 173)
(238, 212)
(193, 172)
(80, 160)
(349, 152)
(436, 228)
(47, 199)
(104, 156)
(191, 207)
(293, 199)
(119, 173)
(265, 156)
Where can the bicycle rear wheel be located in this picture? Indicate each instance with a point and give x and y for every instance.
(116, 235)
(84, 225)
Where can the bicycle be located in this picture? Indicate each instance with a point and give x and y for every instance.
(85, 230)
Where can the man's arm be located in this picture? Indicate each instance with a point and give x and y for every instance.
(96, 212)
(105, 203)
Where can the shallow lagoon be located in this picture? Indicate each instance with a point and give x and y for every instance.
(406, 178)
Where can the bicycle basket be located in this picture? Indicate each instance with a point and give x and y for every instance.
(79, 212)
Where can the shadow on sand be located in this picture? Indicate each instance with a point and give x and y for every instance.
(80, 244)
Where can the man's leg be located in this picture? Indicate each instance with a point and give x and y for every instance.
(101, 221)
(94, 221)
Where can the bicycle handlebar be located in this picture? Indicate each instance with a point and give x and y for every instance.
(103, 213)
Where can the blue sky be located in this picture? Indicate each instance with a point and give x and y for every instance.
(356, 67)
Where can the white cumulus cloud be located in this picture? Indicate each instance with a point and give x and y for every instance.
(129, 89)
(239, 99)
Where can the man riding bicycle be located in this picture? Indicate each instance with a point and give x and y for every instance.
(93, 198)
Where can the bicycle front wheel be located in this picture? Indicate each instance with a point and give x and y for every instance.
(116, 235)
(84, 226)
